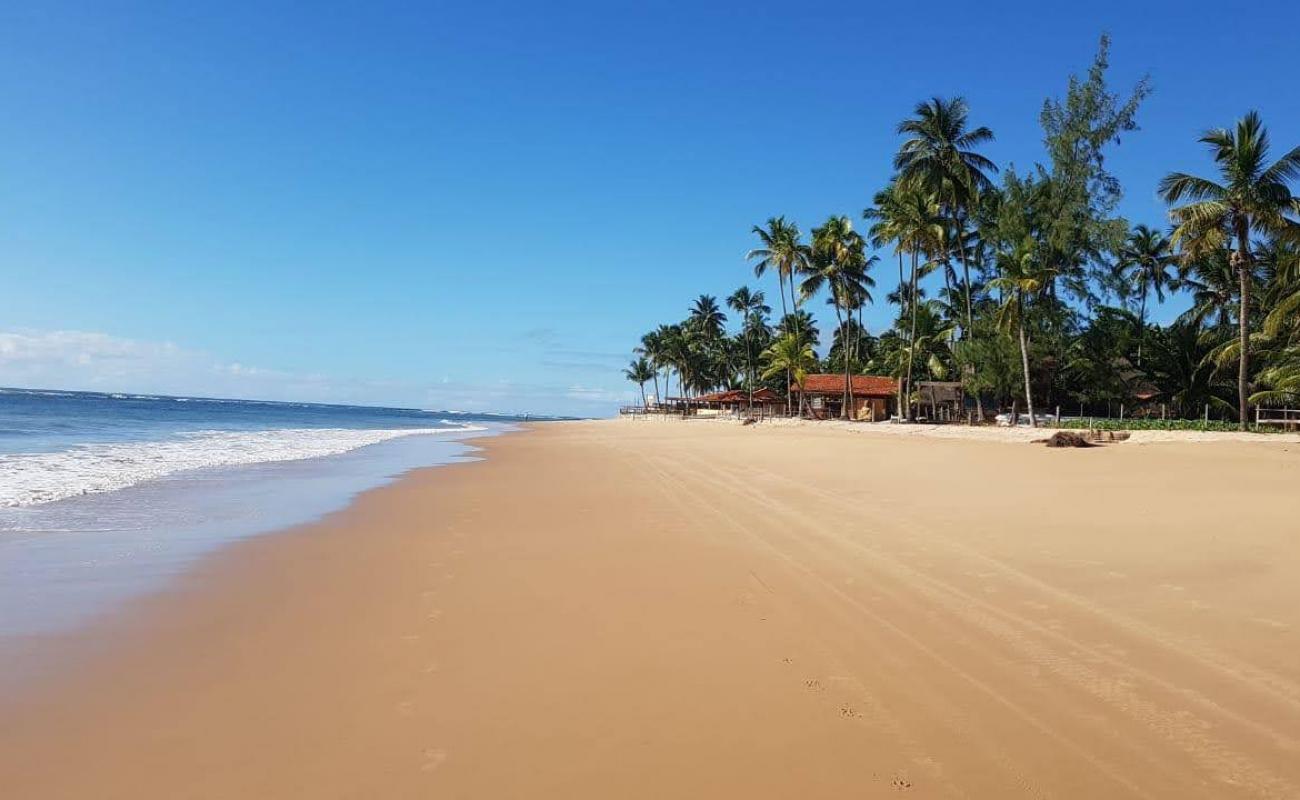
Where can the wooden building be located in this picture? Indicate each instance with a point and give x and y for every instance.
(940, 401)
(874, 397)
(764, 401)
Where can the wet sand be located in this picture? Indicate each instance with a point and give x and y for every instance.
(680, 609)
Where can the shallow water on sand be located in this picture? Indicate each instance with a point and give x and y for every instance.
(67, 562)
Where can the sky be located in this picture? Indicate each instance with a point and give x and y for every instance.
(482, 206)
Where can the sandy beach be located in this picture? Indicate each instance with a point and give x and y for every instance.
(669, 609)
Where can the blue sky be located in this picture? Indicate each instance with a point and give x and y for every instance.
(483, 205)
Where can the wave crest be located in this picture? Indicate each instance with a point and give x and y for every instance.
(28, 479)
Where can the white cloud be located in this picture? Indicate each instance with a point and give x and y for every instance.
(101, 362)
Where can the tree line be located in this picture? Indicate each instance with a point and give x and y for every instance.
(1042, 291)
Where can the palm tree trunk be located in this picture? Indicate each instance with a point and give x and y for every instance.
(798, 332)
(965, 274)
(749, 361)
(785, 312)
(1024, 363)
(1142, 326)
(970, 314)
(844, 353)
(658, 397)
(643, 403)
(911, 342)
(1242, 257)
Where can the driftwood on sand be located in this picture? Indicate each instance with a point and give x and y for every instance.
(1082, 439)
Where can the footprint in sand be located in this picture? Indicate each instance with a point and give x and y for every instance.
(433, 759)
(901, 784)
(435, 615)
(813, 684)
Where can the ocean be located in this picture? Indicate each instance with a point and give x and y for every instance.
(104, 496)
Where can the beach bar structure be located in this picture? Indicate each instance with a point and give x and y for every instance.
(737, 401)
(873, 397)
(940, 401)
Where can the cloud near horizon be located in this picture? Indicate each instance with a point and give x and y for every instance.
(96, 361)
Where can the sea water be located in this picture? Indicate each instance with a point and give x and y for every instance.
(104, 496)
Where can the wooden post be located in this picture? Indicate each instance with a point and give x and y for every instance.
(1058, 416)
(1121, 412)
(1206, 426)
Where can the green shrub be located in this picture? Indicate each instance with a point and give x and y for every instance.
(1103, 424)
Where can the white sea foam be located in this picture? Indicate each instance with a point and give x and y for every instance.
(31, 478)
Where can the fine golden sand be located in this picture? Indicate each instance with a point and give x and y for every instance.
(693, 610)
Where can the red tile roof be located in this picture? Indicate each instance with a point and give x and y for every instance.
(863, 385)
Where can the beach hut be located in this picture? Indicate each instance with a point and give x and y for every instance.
(941, 401)
(874, 397)
(737, 401)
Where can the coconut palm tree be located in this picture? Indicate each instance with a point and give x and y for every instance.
(706, 317)
(781, 251)
(939, 158)
(652, 348)
(792, 355)
(921, 231)
(839, 263)
(752, 309)
(1144, 264)
(1251, 196)
(1023, 277)
(886, 215)
(640, 372)
(1212, 282)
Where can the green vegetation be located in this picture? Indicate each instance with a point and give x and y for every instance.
(1159, 425)
(1025, 284)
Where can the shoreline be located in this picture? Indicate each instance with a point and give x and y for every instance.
(599, 609)
(36, 654)
(70, 562)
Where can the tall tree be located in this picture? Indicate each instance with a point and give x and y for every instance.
(921, 235)
(782, 251)
(1023, 277)
(939, 157)
(1079, 224)
(640, 372)
(792, 355)
(839, 263)
(752, 309)
(1144, 264)
(706, 317)
(1251, 195)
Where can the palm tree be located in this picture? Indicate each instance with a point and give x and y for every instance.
(639, 372)
(886, 215)
(751, 307)
(793, 356)
(939, 157)
(921, 233)
(652, 347)
(838, 261)
(706, 317)
(1023, 277)
(781, 251)
(1251, 196)
(1144, 262)
(1213, 284)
